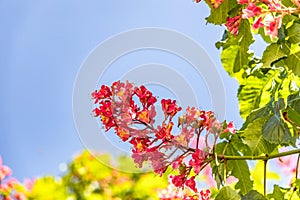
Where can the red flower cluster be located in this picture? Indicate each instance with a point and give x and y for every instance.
(172, 192)
(266, 14)
(233, 24)
(170, 107)
(130, 111)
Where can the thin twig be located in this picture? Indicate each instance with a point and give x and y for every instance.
(265, 177)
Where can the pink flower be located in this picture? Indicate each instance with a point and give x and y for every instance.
(170, 107)
(205, 195)
(4, 170)
(178, 180)
(233, 24)
(191, 183)
(106, 113)
(28, 183)
(197, 160)
(20, 196)
(272, 25)
(145, 96)
(258, 23)
(266, 1)
(251, 11)
(274, 5)
(12, 182)
(230, 128)
(164, 132)
(139, 158)
(244, 1)
(103, 93)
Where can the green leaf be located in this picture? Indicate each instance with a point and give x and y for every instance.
(253, 194)
(293, 109)
(254, 139)
(293, 63)
(240, 170)
(218, 167)
(293, 116)
(235, 55)
(293, 33)
(276, 131)
(288, 3)
(272, 53)
(219, 15)
(277, 193)
(226, 193)
(294, 101)
(232, 59)
(239, 145)
(245, 37)
(256, 91)
(258, 113)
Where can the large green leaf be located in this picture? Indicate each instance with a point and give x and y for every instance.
(226, 193)
(258, 113)
(219, 15)
(240, 170)
(240, 145)
(245, 37)
(272, 53)
(253, 137)
(236, 168)
(276, 131)
(293, 33)
(235, 54)
(293, 63)
(232, 59)
(256, 91)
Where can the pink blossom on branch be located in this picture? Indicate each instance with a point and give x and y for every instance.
(244, 1)
(133, 119)
(233, 24)
(170, 107)
(230, 128)
(251, 10)
(272, 24)
(4, 170)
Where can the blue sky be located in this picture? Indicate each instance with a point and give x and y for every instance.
(44, 43)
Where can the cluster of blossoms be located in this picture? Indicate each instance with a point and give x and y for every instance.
(172, 193)
(131, 112)
(266, 14)
(11, 188)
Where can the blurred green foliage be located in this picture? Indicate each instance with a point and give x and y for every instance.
(87, 178)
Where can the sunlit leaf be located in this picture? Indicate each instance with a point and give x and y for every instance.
(226, 193)
(254, 195)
